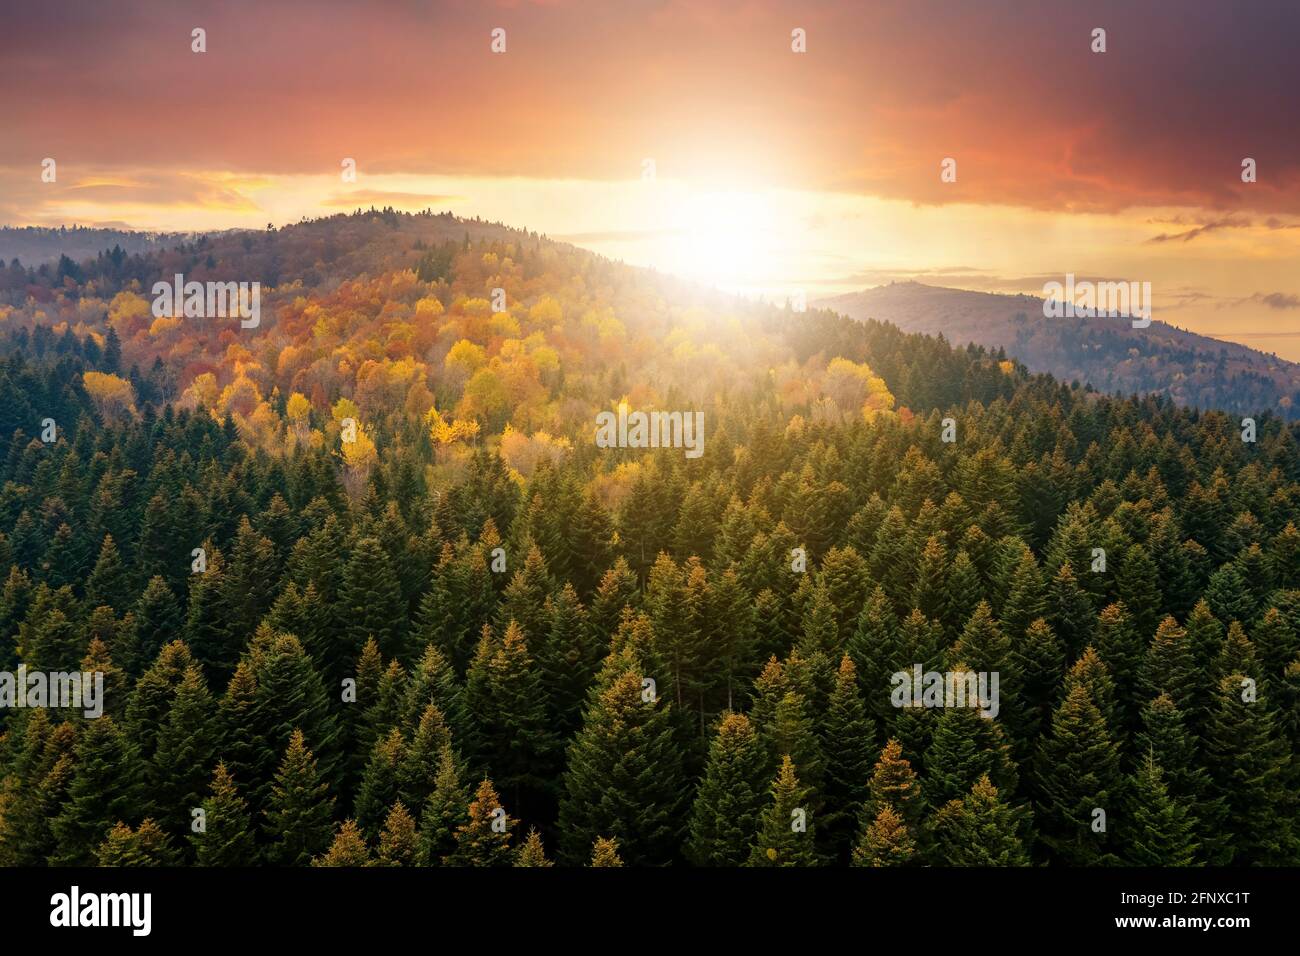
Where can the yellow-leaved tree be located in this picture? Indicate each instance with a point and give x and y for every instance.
(113, 396)
(854, 389)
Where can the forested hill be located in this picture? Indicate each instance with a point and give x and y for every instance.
(1108, 354)
(361, 582)
(42, 245)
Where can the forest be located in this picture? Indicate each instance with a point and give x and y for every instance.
(364, 590)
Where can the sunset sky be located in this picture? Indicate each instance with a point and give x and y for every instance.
(775, 170)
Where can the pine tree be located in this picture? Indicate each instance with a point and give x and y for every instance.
(299, 820)
(727, 806)
(786, 833)
(227, 836)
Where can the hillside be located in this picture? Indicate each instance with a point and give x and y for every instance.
(1108, 354)
(362, 585)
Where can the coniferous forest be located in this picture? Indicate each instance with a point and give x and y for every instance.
(365, 592)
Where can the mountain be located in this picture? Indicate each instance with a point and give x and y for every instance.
(37, 245)
(1108, 354)
(394, 483)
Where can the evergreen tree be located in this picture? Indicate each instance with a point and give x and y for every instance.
(348, 848)
(484, 838)
(885, 841)
(786, 831)
(227, 835)
(147, 845)
(105, 789)
(624, 775)
(446, 807)
(532, 853)
(1077, 774)
(727, 806)
(370, 601)
(299, 820)
(397, 841)
(1249, 767)
(1160, 831)
(978, 830)
(604, 852)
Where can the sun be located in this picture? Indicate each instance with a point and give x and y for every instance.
(725, 238)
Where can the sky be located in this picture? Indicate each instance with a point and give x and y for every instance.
(692, 136)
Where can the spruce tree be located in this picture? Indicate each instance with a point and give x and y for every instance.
(787, 832)
(1077, 773)
(1250, 765)
(187, 748)
(483, 839)
(532, 853)
(850, 746)
(1160, 831)
(147, 845)
(446, 807)
(398, 845)
(106, 789)
(624, 775)
(299, 820)
(370, 601)
(380, 785)
(604, 853)
(980, 829)
(727, 806)
(893, 783)
(886, 841)
(348, 848)
(227, 835)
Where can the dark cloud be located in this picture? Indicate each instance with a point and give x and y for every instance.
(1011, 90)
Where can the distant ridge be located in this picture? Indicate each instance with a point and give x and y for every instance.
(1108, 354)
